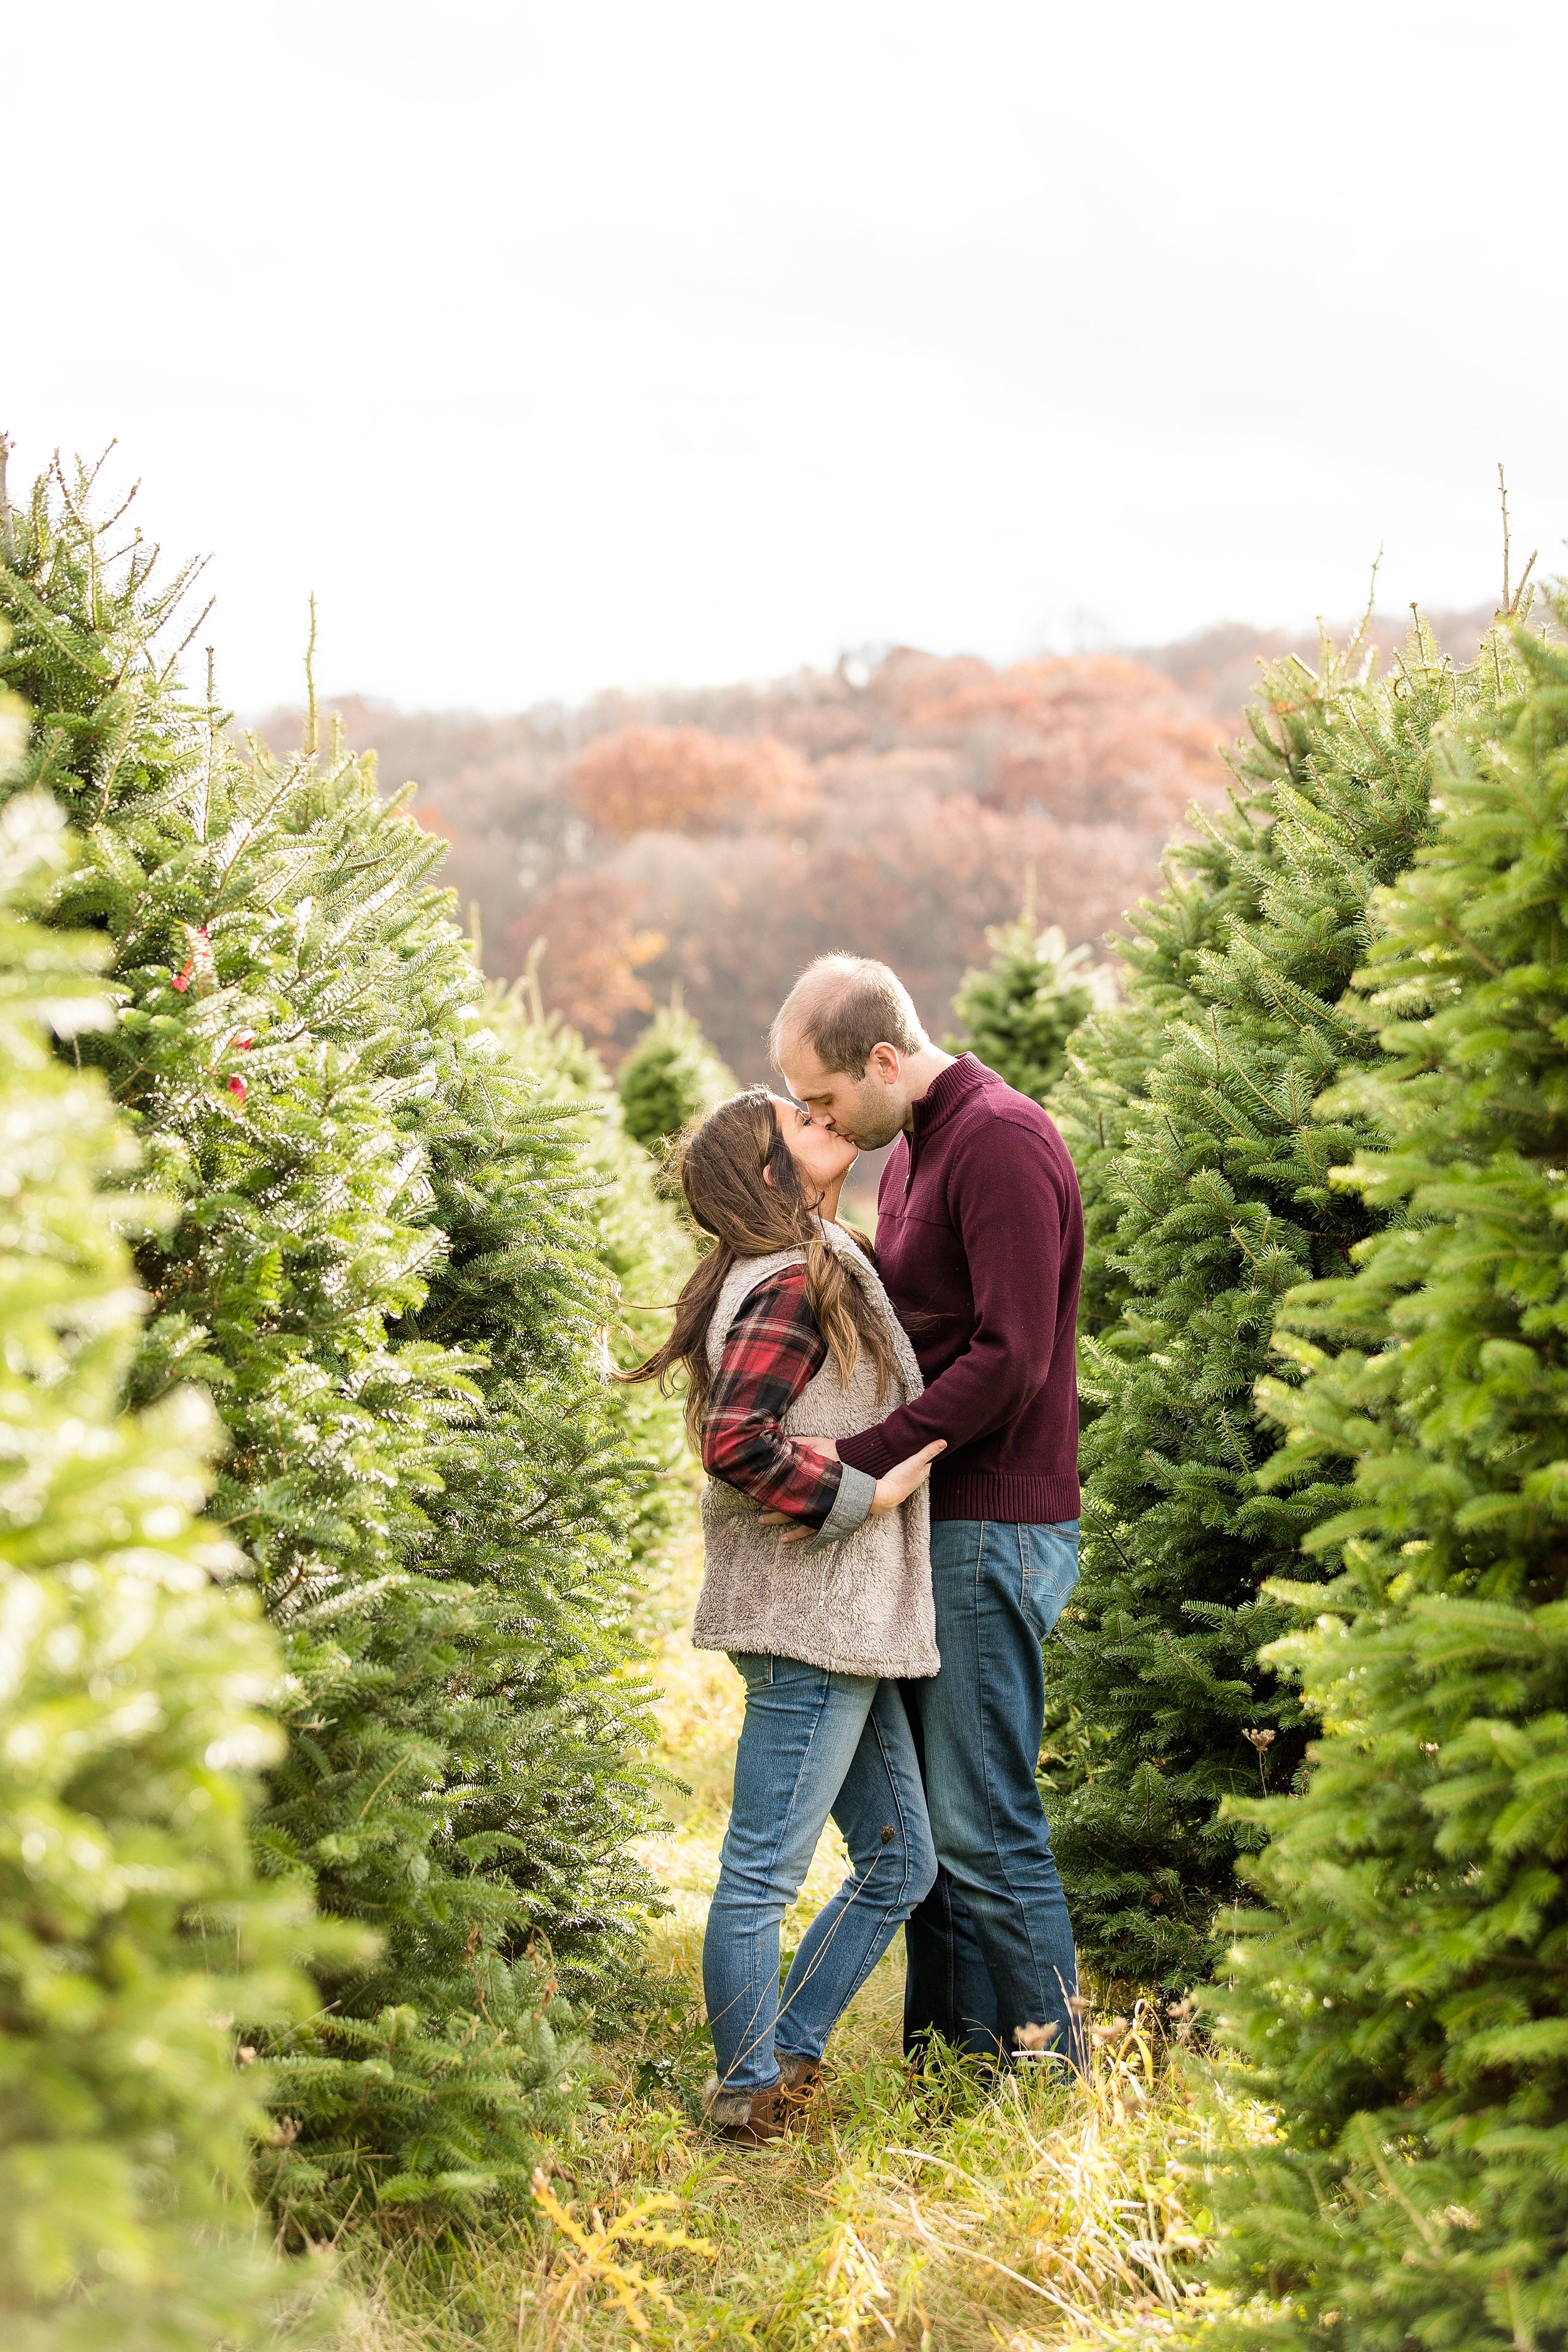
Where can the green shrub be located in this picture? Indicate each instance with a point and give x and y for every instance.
(644, 1243)
(382, 1267)
(131, 1676)
(1402, 2002)
(1109, 1056)
(671, 1076)
(1207, 1199)
(1017, 1012)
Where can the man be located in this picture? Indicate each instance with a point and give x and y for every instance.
(980, 1243)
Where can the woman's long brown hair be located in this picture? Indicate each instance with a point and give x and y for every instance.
(749, 1213)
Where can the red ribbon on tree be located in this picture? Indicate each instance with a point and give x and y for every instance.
(199, 963)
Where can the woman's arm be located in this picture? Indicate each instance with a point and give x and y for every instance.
(771, 1349)
(892, 1488)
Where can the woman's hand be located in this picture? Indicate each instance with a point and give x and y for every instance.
(904, 1476)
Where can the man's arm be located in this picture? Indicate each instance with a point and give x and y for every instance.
(1005, 1196)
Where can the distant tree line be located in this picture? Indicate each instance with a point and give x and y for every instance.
(718, 838)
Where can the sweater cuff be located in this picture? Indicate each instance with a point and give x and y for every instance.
(870, 1452)
(853, 1502)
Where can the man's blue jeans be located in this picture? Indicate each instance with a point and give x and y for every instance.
(813, 1743)
(990, 1948)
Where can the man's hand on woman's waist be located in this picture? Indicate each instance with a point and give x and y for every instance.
(895, 1487)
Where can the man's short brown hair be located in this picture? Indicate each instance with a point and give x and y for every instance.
(841, 1006)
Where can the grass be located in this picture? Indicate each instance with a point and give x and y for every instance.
(931, 2211)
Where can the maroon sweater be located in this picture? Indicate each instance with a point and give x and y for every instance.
(980, 1243)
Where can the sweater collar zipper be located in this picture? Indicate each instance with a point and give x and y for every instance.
(912, 1137)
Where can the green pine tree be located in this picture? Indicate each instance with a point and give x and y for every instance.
(130, 1926)
(382, 1267)
(1109, 1055)
(642, 1241)
(546, 1495)
(1209, 1198)
(1017, 1012)
(671, 1076)
(1403, 2004)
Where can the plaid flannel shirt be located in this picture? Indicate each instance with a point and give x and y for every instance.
(770, 1350)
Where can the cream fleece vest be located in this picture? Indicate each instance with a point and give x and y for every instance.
(859, 1606)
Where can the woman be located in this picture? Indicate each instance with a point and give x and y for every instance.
(784, 1328)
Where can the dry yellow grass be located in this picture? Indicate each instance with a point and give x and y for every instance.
(921, 2213)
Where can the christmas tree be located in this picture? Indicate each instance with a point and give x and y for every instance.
(1402, 2002)
(1017, 1012)
(643, 1242)
(129, 1921)
(382, 1267)
(1108, 1058)
(671, 1076)
(1209, 1198)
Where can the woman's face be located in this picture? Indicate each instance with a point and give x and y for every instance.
(821, 1156)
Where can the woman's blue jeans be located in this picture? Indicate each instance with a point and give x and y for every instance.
(990, 1947)
(813, 1743)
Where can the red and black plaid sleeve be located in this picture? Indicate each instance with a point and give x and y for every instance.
(771, 1349)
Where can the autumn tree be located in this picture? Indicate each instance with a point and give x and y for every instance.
(688, 779)
(585, 936)
(1089, 736)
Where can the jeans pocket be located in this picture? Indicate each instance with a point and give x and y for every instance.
(755, 1670)
(1050, 1573)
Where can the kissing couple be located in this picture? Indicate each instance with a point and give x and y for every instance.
(891, 1530)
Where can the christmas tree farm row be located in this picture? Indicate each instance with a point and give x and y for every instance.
(1318, 1139)
(318, 1807)
(1400, 1996)
(1310, 1705)
(370, 1227)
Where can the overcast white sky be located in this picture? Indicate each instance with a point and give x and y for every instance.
(634, 341)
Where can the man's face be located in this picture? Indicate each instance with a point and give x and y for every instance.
(870, 1110)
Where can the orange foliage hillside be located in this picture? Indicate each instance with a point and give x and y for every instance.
(900, 816)
(690, 780)
(720, 837)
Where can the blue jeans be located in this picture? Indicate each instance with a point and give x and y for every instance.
(813, 1743)
(991, 1949)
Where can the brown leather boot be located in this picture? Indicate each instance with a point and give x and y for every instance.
(748, 2118)
(800, 2086)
